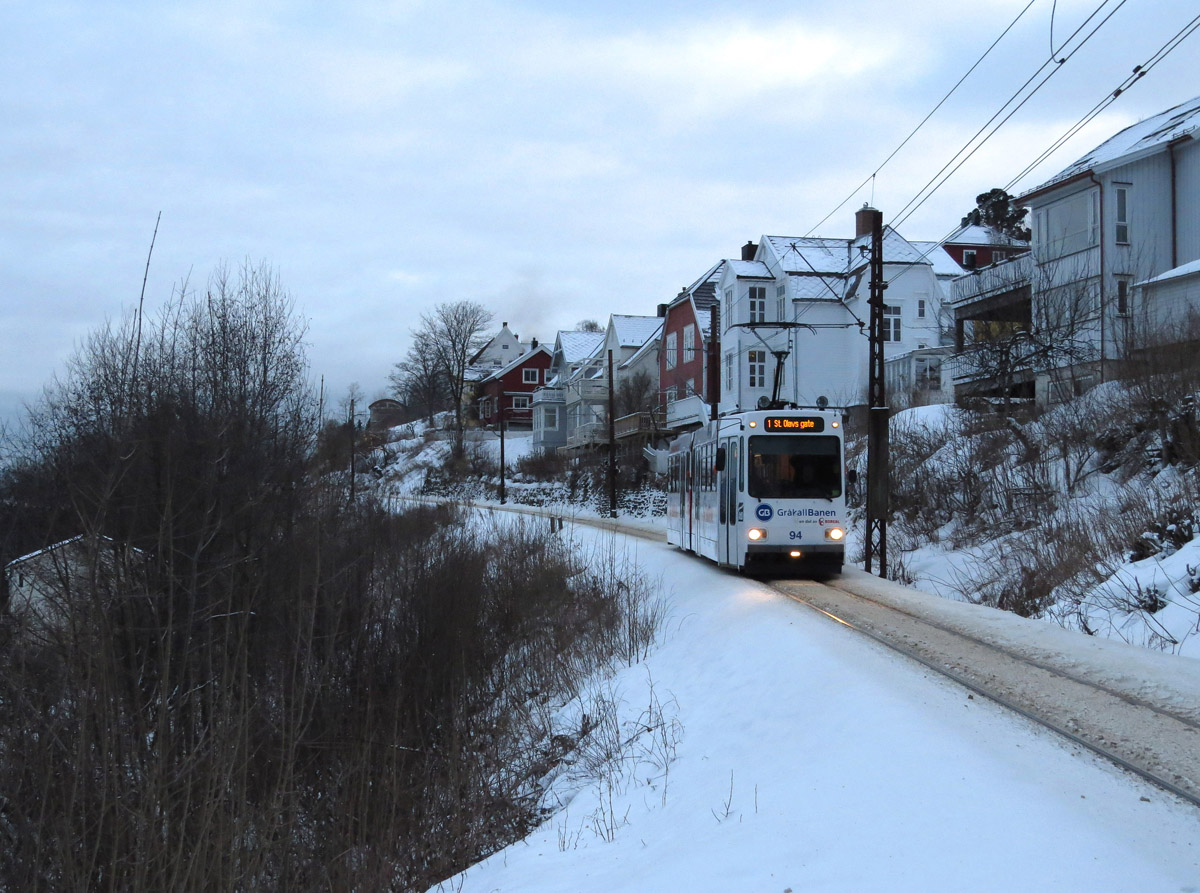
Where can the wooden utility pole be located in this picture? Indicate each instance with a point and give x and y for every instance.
(612, 443)
(352, 468)
(877, 412)
(501, 408)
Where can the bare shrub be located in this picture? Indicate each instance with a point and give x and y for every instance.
(256, 684)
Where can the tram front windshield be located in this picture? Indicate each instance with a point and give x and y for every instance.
(790, 467)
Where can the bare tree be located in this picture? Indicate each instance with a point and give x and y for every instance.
(636, 393)
(455, 332)
(588, 325)
(418, 380)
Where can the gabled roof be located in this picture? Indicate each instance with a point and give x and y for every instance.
(943, 263)
(749, 269)
(634, 331)
(703, 291)
(1135, 141)
(802, 255)
(896, 250)
(651, 344)
(517, 363)
(577, 346)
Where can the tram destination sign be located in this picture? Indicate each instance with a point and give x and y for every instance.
(794, 424)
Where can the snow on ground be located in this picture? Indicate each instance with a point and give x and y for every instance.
(808, 758)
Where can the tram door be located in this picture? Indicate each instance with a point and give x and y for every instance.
(689, 488)
(727, 531)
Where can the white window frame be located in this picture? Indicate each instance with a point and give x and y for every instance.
(1121, 196)
(672, 348)
(689, 342)
(525, 376)
(730, 365)
(757, 300)
(920, 308)
(969, 256)
(520, 401)
(891, 322)
(756, 364)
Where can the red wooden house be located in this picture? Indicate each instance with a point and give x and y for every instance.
(510, 389)
(687, 328)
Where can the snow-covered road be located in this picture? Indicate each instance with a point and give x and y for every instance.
(811, 758)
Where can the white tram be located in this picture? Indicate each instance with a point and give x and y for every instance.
(763, 492)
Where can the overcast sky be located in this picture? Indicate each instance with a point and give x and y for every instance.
(554, 161)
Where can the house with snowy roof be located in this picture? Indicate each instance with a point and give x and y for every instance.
(793, 312)
(499, 350)
(574, 354)
(683, 362)
(507, 394)
(1114, 237)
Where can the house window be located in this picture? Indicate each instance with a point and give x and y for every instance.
(968, 257)
(758, 368)
(929, 375)
(672, 394)
(504, 347)
(529, 376)
(689, 343)
(999, 255)
(729, 357)
(920, 309)
(550, 417)
(891, 322)
(690, 386)
(1122, 296)
(520, 401)
(728, 306)
(1067, 226)
(758, 303)
(1122, 215)
(672, 347)
(781, 301)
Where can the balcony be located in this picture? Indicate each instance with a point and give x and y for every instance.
(588, 390)
(547, 395)
(689, 412)
(588, 434)
(632, 425)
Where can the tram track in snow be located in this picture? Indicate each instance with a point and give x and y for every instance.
(1153, 741)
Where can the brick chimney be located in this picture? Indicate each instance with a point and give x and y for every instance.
(749, 250)
(864, 219)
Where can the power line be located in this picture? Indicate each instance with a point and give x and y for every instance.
(924, 193)
(923, 121)
(1138, 72)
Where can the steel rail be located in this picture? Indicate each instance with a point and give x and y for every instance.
(1098, 749)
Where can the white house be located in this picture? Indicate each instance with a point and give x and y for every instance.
(799, 306)
(1123, 215)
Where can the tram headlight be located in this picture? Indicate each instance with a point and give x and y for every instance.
(756, 533)
(835, 534)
